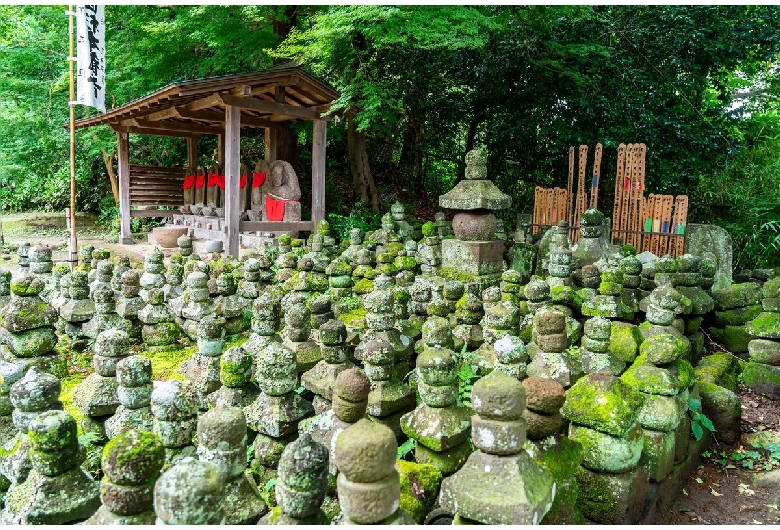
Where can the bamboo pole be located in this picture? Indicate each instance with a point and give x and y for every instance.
(73, 246)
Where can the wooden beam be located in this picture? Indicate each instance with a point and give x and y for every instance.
(232, 177)
(152, 132)
(271, 135)
(192, 154)
(276, 226)
(179, 127)
(266, 106)
(318, 171)
(123, 166)
(205, 103)
(163, 114)
(216, 116)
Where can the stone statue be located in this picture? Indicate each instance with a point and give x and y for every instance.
(281, 193)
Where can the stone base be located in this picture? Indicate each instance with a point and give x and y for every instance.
(475, 258)
(494, 489)
(40, 499)
(612, 498)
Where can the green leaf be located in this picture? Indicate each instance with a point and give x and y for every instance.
(698, 432)
(694, 405)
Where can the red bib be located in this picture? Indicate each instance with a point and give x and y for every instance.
(258, 179)
(189, 181)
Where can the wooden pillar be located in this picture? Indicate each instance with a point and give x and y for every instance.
(232, 177)
(123, 158)
(221, 140)
(192, 154)
(318, 171)
(270, 144)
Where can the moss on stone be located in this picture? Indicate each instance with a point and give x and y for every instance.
(165, 364)
(427, 480)
(354, 318)
(455, 274)
(562, 462)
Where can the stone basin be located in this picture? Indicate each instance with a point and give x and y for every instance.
(166, 236)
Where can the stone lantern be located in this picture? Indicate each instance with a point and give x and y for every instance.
(475, 256)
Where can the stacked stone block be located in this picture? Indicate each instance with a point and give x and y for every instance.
(57, 491)
(229, 305)
(134, 393)
(153, 276)
(79, 308)
(130, 303)
(301, 485)
(237, 389)
(159, 330)
(500, 482)
(321, 378)
(440, 426)
(198, 303)
(131, 463)
(663, 377)
(202, 369)
(276, 411)
(603, 412)
(548, 349)
(28, 328)
(175, 411)
(594, 352)
(762, 373)
(544, 399)
(222, 441)
(368, 484)
(97, 396)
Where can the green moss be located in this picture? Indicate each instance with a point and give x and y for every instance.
(765, 324)
(69, 383)
(562, 461)
(363, 286)
(455, 274)
(429, 229)
(165, 364)
(602, 402)
(419, 501)
(354, 318)
(760, 374)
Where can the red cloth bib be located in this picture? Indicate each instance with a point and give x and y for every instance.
(189, 181)
(221, 181)
(274, 208)
(199, 181)
(213, 179)
(258, 179)
(242, 182)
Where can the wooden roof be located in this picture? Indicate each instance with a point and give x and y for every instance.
(197, 107)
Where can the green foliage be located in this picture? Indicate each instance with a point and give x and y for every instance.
(758, 457)
(467, 376)
(406, 449)
(699, 421)
(92, 444)
(360, 216)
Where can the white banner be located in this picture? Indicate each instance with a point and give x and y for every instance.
(91, 56)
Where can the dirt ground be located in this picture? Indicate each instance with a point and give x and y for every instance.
(724, 490)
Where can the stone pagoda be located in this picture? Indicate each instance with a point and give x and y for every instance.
(474, 254)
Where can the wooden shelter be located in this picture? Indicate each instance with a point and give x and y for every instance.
(219, 106)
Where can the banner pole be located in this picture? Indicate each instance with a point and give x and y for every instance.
(73, 246)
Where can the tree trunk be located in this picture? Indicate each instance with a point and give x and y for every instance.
(362, 181)
(286, 143)
(108, 160)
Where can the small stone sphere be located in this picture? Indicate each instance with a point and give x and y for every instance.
(304, 465)
(222, 428)
(133, 458)
(112, 343)
(235, 367)
(543, 395)
(599, 328)
(537, 290)
(191, 492)
(491, 294)
(437, 366)
(35, 391)
(366, 451)
(498, 396)
(53, 431)
(134, 371)
(352, 385)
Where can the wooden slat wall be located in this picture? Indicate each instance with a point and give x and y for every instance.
(156, 186)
